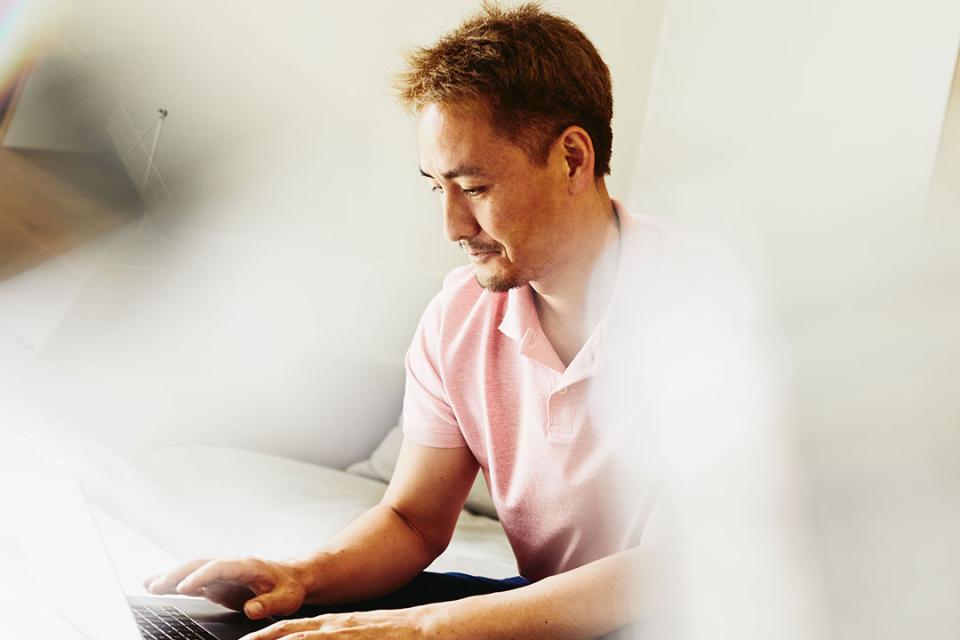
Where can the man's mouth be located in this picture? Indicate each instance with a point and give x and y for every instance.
(480, 251)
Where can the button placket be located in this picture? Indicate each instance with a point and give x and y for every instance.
(558, 412)
(553, 411)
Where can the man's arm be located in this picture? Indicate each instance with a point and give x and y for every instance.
(587, 602)
(379, 552)
(393, 542)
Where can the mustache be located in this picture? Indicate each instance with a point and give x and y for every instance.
(474, 247)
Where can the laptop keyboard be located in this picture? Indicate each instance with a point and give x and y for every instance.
(167, 623)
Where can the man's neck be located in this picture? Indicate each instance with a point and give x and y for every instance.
(574, 295)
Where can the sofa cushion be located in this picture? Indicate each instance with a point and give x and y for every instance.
(246, 503)
(380, 466)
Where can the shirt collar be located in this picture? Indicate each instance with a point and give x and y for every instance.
(521, 324)
(516, 318)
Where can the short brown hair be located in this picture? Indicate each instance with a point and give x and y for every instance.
(535, 72)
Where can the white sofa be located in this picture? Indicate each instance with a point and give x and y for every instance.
(214, 501)
(239, 502)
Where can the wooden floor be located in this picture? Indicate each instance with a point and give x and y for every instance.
(53, 201)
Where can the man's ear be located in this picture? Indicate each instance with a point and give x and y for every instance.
(578, 158)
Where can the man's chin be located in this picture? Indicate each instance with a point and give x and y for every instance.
(496, 282)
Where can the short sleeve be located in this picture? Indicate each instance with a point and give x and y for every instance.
(428, 418)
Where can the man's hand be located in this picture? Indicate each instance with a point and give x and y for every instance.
(398, 624)
(259, 588)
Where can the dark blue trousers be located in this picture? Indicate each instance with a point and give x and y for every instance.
(426, 588)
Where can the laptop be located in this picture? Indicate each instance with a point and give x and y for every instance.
(58, 572)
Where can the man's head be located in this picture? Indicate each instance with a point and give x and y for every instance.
(514, 124)
(535, 73)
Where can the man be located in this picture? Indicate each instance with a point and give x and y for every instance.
(514, 111)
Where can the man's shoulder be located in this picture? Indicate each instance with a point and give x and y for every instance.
(643, 229)
(461, 281)
(461, 292)
(654, 241)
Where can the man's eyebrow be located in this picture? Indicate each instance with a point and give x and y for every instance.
(468, 170)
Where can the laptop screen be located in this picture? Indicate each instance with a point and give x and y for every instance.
(52, 542)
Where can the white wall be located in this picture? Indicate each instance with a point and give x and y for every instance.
(811, 123)
(303, 245)
(288, 107)
(805, 133)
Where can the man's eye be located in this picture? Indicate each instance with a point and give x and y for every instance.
(436, 188)
(475, 191)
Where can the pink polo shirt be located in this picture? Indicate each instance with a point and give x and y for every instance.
(482, 374)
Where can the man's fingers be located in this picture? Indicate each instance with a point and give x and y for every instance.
(285, 628)
(246, 572)
(166, 583)
(259, 589)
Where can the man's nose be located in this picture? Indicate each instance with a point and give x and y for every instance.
(458, 220)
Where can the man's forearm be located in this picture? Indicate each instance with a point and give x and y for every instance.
(587, 602)
(376, 554)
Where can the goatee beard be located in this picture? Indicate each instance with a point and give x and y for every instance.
(495, 284)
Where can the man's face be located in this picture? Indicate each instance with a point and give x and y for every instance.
(506, 212)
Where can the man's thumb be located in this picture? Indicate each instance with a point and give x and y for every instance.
(271, 604)
(254, 609)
